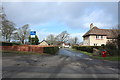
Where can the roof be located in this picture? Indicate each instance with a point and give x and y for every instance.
(43, 41)
(96, 31)
(67, 43)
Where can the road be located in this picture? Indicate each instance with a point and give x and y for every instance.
(66, 64)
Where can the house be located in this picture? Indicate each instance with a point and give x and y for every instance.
(97, 37)
(66, 45)
(43, 43)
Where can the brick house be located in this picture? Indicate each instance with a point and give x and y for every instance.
(97, 37)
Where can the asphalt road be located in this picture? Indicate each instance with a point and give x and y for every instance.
(66, 64)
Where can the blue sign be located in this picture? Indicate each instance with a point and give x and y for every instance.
(33, 33)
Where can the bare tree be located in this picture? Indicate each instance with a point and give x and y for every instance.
(22, 33)
(51, 39)
(116, 34)
(113, 46)
(73, 40)
(118, 37)
(63, 37)
(7, 27)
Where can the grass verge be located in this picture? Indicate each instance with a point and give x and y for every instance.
(87, 53)
(110, 58)
(11, 53)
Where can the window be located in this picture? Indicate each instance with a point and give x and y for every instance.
(95, 44)
(101, 37)
(97, 37)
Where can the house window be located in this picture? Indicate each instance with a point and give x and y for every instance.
(97, 37)
(101, 37)
(95, 44)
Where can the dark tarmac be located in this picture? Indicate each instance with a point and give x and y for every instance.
(66, 64)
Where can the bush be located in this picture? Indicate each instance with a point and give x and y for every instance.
(8, 43)
(112, 49)
(51, 50)
(86, 48)
(74, 47)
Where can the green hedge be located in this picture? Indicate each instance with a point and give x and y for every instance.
(51, 50)
(112, 49)
(86, 48)
(8, 43)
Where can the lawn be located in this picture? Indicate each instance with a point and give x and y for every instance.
(110, 58)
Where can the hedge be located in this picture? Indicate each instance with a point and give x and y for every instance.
(8, 43)
(86, 48)
(51, 50)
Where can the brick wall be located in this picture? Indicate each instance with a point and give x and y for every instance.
(27, 48)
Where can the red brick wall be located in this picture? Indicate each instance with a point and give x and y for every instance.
(27, 48)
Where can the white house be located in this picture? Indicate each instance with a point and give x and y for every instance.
(66, 45)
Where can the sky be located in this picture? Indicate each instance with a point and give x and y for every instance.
(54, 17)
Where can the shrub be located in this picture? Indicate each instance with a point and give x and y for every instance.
(51, 50)
(74, 47)
(112, 49)
(86, 48)
(8, 43)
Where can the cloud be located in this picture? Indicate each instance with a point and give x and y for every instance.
(99, 18)
(73, 14)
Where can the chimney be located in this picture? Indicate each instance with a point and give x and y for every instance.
(91, 26)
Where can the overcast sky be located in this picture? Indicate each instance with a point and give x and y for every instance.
(54, 17)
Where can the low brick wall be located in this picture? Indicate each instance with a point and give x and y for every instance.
(26, 48)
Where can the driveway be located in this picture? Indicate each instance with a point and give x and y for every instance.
(66, 64)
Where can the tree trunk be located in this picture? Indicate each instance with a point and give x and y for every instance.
(22, 41)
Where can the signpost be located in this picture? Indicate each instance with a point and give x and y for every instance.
(32, 35)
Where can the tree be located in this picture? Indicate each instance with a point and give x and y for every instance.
(73, 40)
(113, 46)
(22, 33)
(117, 41)
(7, 27)
(34, 41)
(51, 39)
(63, 37)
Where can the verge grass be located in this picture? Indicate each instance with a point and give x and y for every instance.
(110, 58)
(12, 53)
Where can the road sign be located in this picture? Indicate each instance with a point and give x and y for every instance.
(33, 33)
(32, 36)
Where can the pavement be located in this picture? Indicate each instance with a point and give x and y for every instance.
(66, 64)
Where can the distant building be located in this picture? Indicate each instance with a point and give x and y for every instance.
(66, 45)
(97, 37)
(43, 43)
